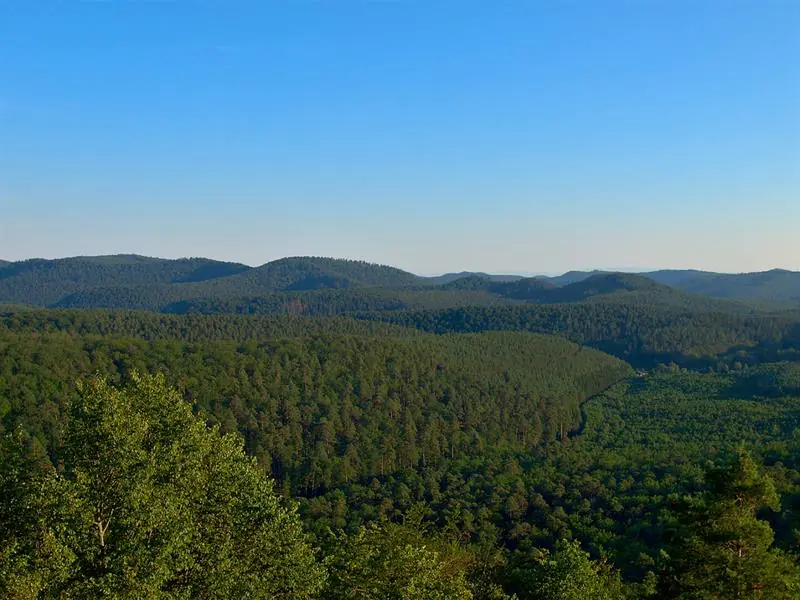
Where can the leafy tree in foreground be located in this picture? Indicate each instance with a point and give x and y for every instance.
(152, 504)
(724, 550)
(567, 573)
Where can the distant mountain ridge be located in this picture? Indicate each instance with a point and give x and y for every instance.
(776, 286)
(300, 283)
(450, 277)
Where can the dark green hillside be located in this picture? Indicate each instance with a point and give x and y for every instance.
(286, 275)
(642, 333)
(343, 296)
(325, 410)
(607, 283)
(150, 284)
(613, 287)
(776, 286)
(310, 273)
(44, 282)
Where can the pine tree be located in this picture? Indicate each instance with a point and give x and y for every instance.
(723, 551)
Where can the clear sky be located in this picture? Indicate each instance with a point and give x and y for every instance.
(434, 135)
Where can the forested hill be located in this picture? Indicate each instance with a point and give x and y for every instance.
(324, 410)
(122, 280)
(217, 297)
(288, 285)
(775, 287)
(640, 333)
(44, 282)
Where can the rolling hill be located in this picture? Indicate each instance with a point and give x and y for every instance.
(325, 286)
(44, 282)
(775, 288)
(136, 281)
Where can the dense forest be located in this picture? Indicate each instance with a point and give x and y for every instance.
(335, 429)
(328, 410)
(641, 333)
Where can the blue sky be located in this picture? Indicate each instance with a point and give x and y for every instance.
(435, 135)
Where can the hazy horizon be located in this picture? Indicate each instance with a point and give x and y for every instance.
(436, 137)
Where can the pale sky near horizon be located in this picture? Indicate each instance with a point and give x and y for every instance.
(434, 135)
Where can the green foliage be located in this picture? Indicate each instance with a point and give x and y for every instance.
(723, 549)
(150, 503)
(567, 573)
(31, 554)
(388, 561)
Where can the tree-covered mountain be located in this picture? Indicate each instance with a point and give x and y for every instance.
(315, 285)
(777, 286)
(141, 282)
(217, 297)
(44, 282)
(640, 332)
(311, 273)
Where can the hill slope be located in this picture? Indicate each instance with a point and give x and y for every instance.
(310, 273)
(325, 410)
(641, 333)
(44, 282)
(776, 286)
(138, 282)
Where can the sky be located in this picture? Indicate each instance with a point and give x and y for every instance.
(434, 135)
